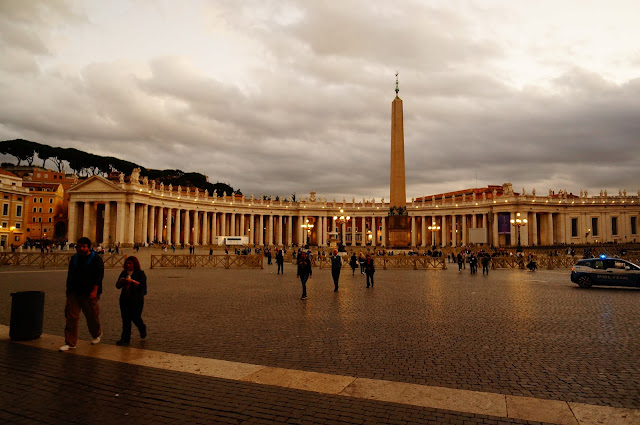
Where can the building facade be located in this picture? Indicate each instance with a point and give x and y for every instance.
(13, 201)
(46, 217)
(133, 210)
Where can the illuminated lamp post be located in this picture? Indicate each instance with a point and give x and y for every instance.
(433, 228)
(518, 222)
(341, 219)
(308, 226)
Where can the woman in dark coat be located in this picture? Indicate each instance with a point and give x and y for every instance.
(133, 285)
(353, 263)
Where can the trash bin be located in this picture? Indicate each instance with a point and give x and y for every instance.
(27, 314)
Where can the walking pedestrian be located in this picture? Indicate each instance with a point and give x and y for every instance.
(473, 263)
(369, 269)
(133, 285)
(84, 286)
(353, 262)
(304, 272)
(280, 261)
(485, 263)
(362, 261)
(336, 267)
(460, 261)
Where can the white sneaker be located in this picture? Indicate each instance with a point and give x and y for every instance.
(95, 341)
(66, 347)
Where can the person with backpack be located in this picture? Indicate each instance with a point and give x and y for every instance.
(133, 285)
(84, 286)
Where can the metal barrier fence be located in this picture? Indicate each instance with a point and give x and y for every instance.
(213, 261)
(414, 262)
(43, 260)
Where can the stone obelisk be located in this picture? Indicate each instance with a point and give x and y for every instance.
(399, 223)
(398, 191)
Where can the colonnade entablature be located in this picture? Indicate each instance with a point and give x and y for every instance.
(140, 212)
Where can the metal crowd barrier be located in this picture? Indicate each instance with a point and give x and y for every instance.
(189, 261)
(43, 260)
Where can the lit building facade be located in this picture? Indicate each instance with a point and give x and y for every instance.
(134, 210)
(46, 215)
(13, 201)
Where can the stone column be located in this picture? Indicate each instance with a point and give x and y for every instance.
(260, 230)
(384, 231)
(178, 228)
(474, 221)
(464, 230)
(205, 228)
(353, 231)
(72, 235)
(289, 230)
(196, 227)
(106, 228)
(187, 227)
(120, 221)
(424, 231)
(496, 237)
(161, 226)
(252, 229)
(132, 223)
(550, 240)
(86, 220)
(534, 228)
(145, 223)
(151, 214)
(279, 234)
(214, 227)
(299, 229)
(413, 231)
(444, 241)
(232, 224)
(270, 229)
(363, 231)
(243, 227)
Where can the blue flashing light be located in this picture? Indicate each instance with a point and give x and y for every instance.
(603, 256)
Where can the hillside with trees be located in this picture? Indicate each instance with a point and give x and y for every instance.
(87, 164)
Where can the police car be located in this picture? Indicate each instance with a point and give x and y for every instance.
(605, 271)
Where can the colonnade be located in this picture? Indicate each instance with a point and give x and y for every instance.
(131, 213)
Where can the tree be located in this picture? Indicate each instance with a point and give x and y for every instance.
(22, 149)
(45, 152)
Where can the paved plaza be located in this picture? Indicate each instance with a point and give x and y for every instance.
(512, 333)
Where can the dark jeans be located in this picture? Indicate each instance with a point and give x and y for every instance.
(303, 279)
(280, 268)
(369, 277)
(336, 277)
(131, 311)
(485, 267)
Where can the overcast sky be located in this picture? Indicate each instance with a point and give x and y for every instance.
(283, 96)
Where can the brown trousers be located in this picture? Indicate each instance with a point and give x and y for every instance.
(91, 310)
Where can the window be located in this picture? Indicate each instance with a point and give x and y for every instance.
(39, 219)
(33, 219)
(39, 210)
(4, 224)
(35, 209)
(634, 229)
(594, 226)
(51, 200)
(18, 225)
(49, 219)
(50, 210)
(18, 210)
(46, 176)
(5, 209)
(35, 200)
(574, 227)
(40, 200)
(614, 226)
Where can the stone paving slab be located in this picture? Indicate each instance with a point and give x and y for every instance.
(39, 386)
(461, 401)
(512, 333)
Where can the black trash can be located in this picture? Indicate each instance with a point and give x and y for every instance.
(27, 314)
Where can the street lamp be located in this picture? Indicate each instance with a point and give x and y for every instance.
(433, 228)
(341, 219)
(308, 226)
(518, 222)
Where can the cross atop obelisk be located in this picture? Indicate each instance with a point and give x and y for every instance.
(398, 194)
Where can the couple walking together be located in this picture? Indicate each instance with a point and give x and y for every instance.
(84, 287)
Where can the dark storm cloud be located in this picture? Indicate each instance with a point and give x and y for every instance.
(313, 111)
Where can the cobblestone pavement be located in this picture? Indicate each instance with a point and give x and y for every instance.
(513, 332)
(45, 387)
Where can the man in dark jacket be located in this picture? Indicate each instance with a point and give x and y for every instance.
(369, 269)
(304, 272)
(84, 286)
(336, 266)
(280, 261)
